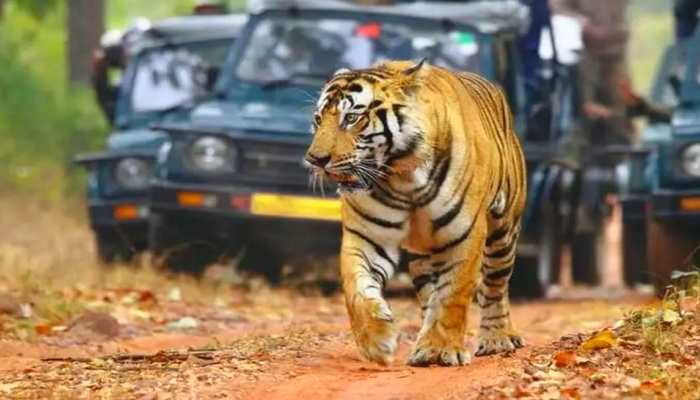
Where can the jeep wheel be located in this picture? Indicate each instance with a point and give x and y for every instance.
(113, 247)
(585, 255)
(261, 259)
(668, 246)
(526, 283)
(549, 257)
(634, 253)
(175, 245)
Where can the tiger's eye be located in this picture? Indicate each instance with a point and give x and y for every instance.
(351, 118)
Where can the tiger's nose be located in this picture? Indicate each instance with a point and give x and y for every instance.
(317, 161)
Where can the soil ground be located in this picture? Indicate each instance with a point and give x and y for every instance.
(282, 348)
(70, 329)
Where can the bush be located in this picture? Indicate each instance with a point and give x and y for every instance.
(43, 122)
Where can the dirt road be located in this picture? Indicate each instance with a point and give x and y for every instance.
(70, 329)
(269, 346)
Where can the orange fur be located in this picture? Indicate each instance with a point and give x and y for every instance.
(451, 142)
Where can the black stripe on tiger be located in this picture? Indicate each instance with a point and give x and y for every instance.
(504, 251)
(436, 184)
(499, 274)
(386, 132)
(451, 214)
(497, 235)
(372, 268)
(377, 248)
(374, 220)
(433, 276)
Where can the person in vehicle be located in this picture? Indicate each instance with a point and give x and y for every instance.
(529, 43)
(686, 17)
(605, 35)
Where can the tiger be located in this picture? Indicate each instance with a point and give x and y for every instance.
(430, 172)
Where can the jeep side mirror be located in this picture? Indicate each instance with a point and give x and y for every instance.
(105, 92)
(106, 58)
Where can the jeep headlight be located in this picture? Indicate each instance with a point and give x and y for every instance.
(690, 159)
(133, 173)
(211, 154)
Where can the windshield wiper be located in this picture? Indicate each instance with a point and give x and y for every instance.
(273, 83)
(289, 80)
(184, 106)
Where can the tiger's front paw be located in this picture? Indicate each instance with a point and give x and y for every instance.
(450, 356)
(497, 342)
(374, 330)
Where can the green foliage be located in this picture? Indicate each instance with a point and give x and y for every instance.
(123, 12)
(651, 31)
(43, 122)
(37, 8)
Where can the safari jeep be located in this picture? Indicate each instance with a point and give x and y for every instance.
(231, 180)
(164, 69)
(661, 185)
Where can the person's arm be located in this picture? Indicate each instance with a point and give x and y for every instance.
(567, 7)
(638, 106)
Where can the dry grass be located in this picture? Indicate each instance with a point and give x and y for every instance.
(48, 261)
(652, 353)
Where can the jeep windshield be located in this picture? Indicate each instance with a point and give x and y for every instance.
(166, 77)
(308, 48)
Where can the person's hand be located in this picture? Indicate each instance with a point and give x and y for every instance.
(629, 97)
(594, 110)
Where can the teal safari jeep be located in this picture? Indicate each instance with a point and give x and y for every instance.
(661, 182)
(165, 67)
(232, 177)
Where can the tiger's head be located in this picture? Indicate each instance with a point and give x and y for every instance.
(363, 130)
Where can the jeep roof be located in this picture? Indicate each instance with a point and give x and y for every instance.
(486, 16)
(187, 28)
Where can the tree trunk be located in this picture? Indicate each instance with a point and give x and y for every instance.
(85, 24)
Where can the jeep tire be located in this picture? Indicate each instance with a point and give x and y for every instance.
(113, 246)
(585, 256)
(668, 245)
(526, 282)
(264, 260)
(635, 266)
(177, 245)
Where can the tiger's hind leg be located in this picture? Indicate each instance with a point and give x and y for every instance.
(444, 298)
(496, 334)
(446, 282)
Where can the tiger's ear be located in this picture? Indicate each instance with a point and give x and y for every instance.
(342, 71)
(416, 69)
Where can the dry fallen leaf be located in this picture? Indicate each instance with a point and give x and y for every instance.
(688, 359)
(631, 383)
(671, 316)
(183, 323)
(598, 377)
(653, 386)
(669, 364)
(564, 359)
(521, 392)
(175, 294)
(42, 329)
(601, 340)
(570, 393)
